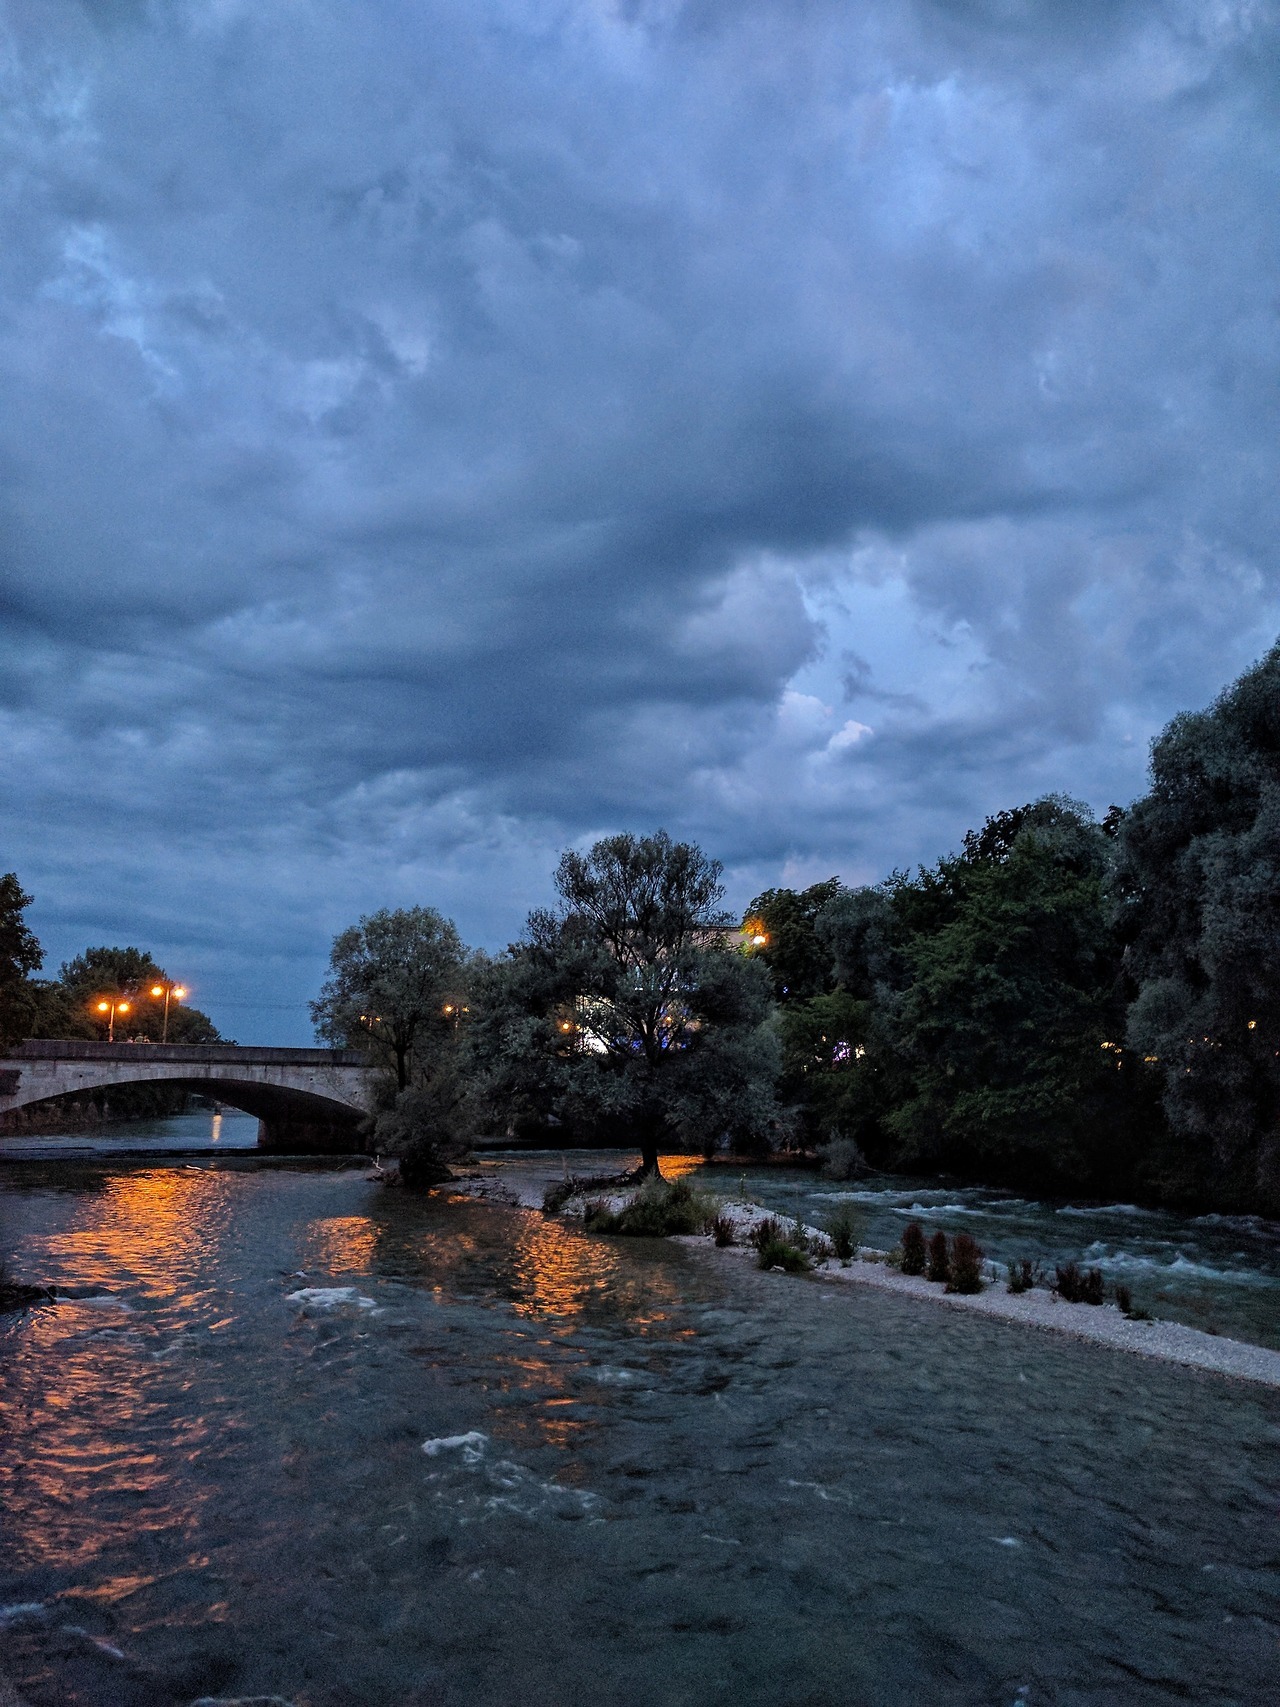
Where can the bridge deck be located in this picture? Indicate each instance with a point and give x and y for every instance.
(202, 1054)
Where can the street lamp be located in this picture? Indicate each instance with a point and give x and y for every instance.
(111, 1006)
(166, 990)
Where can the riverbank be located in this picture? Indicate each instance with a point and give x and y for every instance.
(1167, 1342)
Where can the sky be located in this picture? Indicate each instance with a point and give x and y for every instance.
(440, 432)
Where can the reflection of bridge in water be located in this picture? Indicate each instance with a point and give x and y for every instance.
(305, 1099)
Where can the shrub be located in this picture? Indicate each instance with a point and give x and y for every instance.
(939, 1258)
(966, 1265)
(659, 1209)
(842, 1159)
(767, 1232)
(1075, 1285)
(781, 1253)
(842, 1230)
(1123, 1297)
(723, 1230)
(1024, 1273)
(913, 1250)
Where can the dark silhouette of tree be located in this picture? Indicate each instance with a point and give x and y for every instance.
(20, 956)
(1199, 888)
(395, 988)
(627, 1011)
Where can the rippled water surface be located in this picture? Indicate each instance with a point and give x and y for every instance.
(652, 1476)
(1217, 1272)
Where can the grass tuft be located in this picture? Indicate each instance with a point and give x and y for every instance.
(842, 1230)
(1024, 1273)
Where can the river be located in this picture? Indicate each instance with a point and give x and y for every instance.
(298, 1433)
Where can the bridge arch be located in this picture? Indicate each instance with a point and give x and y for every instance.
(304, 1099)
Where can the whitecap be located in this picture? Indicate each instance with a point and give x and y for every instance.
(608, 1376)
(1106, 1209)
(471, 1445)
(330, 1298)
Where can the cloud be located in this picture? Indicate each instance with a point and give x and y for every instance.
(436, 436)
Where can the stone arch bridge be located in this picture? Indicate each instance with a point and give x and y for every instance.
(305, 1099)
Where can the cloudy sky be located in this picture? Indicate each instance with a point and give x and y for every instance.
(437, 431)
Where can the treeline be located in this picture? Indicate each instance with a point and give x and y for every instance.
(1062, 1004)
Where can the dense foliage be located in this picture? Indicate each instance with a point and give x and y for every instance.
(20, 956)
(627, 1013)
(1198, 885)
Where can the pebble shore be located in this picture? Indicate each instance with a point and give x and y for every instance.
(1101, 1324)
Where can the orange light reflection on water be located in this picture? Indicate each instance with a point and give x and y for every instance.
(341, 1244)
(99, 1440)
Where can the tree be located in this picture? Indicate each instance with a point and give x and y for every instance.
(627, 1005)
(20, 956)
(68, 1008)
(395, 988)
(786, 920)
(1010, 1022)
(1199, 886)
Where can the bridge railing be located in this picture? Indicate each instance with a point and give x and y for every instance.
(208, 1054)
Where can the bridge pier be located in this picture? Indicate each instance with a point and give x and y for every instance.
(290, 1135)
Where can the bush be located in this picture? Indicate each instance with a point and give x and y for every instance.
(659, 1209)
(939, 1260)
(966, 1265)
(1075, 1285)
(1123, 1297)
(781, 1253)
(842, 1230)
(842, 1159)
(913, 1250)
(723, 1231)
(1024, 1273)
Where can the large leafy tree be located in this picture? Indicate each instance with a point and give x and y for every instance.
(1199, 881)
(68, 1008)
(1010, 1019)
(20, 956)
(626, 1008)
(395, 989)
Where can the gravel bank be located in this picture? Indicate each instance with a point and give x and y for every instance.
(1169, 1342)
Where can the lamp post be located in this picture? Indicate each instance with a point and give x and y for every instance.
(167, 990)
(111, 1006)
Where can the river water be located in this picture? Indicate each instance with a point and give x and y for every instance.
(298, 1433)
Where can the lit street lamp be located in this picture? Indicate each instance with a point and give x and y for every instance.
(167, 990)
(111, 1007)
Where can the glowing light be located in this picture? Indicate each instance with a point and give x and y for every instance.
(1253, 1025)
(157, 989)
(104, 1007)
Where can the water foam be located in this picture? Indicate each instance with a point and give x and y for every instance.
(330, 1298)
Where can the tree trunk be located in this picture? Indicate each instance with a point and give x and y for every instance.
(402, 1067)
(653, 1124)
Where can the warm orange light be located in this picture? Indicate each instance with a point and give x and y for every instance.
(157, 989)
(122, 1007)
(179, 991)
(565, 1025)
(104, 1007)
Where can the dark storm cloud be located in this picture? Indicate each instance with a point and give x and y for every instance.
(435, 432)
